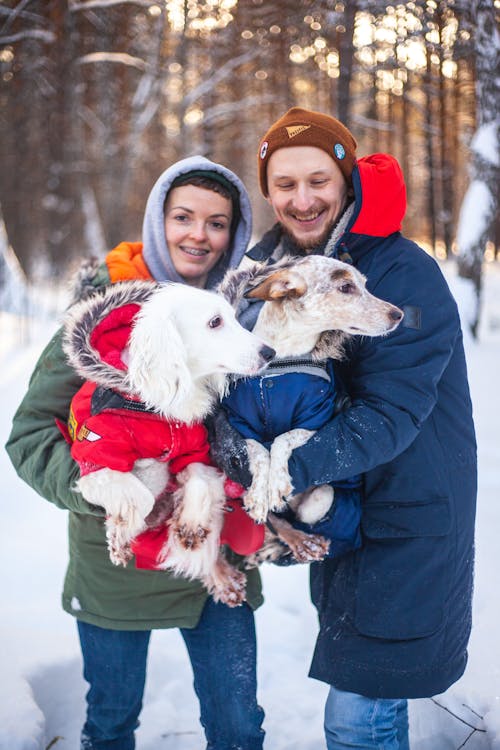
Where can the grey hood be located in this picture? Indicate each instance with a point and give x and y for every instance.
(155, 249)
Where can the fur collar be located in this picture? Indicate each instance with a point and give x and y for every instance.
(94, 336)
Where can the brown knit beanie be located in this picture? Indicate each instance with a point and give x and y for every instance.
(303, 127)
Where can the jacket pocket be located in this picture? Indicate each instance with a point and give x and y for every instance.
(404, 569)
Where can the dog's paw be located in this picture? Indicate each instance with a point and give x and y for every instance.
(255, 499)
(126, 500)
(198, 500)
(280, 488)
(225, 583)
(189, 536)
(232, 591)
(310, 548)
(257, 508)
(118, 542)
(280, 483)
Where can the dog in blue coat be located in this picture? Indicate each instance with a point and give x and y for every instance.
(308, 308)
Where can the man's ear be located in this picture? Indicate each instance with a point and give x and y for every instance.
(284, 284)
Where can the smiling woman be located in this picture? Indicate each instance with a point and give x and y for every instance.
(197, 229)
(197, 224)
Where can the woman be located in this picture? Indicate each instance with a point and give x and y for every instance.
(197, 224)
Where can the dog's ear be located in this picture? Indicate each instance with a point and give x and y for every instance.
(158, 370)
(280, 285)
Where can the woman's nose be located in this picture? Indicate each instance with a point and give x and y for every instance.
(198, 231)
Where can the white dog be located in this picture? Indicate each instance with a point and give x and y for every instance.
(311, 305)
(156, 358)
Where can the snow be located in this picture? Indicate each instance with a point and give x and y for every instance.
(42, 690)
(485, 142)
(475, 215)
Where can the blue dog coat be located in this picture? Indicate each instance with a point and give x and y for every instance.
(291, 394)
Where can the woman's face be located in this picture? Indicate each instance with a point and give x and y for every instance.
(197, 230)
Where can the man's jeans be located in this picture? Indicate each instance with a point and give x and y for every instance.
(354, 721)
(222, 649)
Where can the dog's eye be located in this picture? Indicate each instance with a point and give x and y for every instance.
(216, 322)
(346, 288)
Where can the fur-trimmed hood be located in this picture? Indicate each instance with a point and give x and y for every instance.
(155, 249)
(97, 329)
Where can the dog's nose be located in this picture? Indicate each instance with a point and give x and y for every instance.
(267, 353)
(396, 314)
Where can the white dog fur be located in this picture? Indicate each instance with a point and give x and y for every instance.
(183, 344)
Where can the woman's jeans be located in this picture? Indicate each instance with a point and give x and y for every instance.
(222, 650)
(354, 721)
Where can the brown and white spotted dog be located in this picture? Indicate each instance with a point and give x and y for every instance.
(311, 305)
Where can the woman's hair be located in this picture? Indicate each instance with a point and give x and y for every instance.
(202, 181)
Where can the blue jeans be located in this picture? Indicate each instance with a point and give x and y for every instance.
(222, 650)
(354, 721)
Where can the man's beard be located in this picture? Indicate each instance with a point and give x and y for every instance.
(313, 243)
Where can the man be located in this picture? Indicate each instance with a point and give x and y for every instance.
(395, 616)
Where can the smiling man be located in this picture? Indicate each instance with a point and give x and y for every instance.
(308, 187)
(394, 615)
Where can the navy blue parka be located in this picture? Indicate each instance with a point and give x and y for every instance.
(395, 616)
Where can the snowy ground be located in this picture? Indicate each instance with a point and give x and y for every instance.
(42, 690)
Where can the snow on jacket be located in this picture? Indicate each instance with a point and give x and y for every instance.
(395, 616)
(95, 590)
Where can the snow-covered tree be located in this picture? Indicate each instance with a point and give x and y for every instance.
(480, 204)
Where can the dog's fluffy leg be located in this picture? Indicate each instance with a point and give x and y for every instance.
(311, 506)
(256, 500)
(127, 502)
(280, 484)
(200, 496)
(305, 547)
(225, 583)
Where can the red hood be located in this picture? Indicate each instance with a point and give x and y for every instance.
(97, 330)
(380, 193)
(110, 337)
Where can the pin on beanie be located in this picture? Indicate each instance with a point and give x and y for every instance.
(304, 127)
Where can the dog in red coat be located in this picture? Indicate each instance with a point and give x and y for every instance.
(156, 358)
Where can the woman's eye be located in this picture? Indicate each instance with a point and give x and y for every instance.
(346, 288)
(215, 322)
(218, 225)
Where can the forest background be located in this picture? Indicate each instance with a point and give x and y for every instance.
(97, 97)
